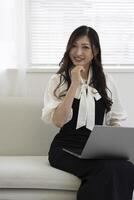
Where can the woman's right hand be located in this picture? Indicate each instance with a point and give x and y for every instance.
(76, 75)
(62, 112)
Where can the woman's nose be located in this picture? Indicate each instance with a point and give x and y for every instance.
(78, 51)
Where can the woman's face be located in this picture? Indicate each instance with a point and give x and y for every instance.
(81, 52)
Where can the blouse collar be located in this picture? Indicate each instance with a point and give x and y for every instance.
(86, 113)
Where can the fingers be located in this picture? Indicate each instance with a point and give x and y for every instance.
(76, 74)
(78, 68)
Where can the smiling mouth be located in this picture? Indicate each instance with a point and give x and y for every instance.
(78, 60)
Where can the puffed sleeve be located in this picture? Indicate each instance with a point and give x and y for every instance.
(51, 101)
(117, 113)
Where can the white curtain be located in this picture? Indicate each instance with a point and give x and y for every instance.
(13, 50)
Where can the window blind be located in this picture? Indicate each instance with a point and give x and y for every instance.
(52, 21)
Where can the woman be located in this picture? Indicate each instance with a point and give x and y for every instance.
(77, 97)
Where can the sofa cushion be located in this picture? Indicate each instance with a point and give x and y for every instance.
(34, 172)
(21, 127)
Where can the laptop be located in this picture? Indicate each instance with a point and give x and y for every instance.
(107, 142)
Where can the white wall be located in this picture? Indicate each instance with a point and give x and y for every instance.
(125, 83)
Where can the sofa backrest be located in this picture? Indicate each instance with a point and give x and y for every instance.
(22, 132)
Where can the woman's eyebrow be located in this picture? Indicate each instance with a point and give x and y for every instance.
(82, 43)
(85, 44)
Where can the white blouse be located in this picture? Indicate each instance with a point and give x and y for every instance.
(86, 94)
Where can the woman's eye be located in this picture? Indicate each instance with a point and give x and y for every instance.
(86, 47)
(73, 46)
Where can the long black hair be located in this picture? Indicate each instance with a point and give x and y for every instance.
(98, 77)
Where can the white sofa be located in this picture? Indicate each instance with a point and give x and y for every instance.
(25, 173)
